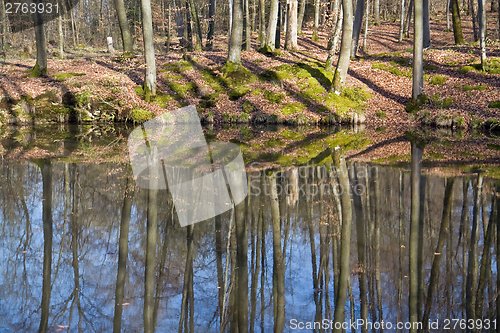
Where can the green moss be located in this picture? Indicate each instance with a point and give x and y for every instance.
(237, 93)
(292, 135)
(63, 76)
(437, 80)
(273, 119)
(315, 36)
(183, 89)
(243, 118)
(494, 104)
(274, 98)
(36, 72)
(381, 130)
(247, 107)
(415, 105)
(139, 115)
(429, 67)
(479, 87)
(256, 92)
(291, 108)
(236, 75)
(466, 69)
(381, 114)
(392, 68)
(494, 147)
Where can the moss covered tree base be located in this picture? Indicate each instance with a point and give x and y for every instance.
(37, 71)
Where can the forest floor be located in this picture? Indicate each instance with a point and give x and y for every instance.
(287, 87)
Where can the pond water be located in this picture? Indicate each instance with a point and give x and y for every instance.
(84, 249)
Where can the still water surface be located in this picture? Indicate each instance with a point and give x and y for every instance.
(83, 249)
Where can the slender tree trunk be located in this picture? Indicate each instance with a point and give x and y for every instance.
(401, 21)
(481, 11)
(356, 29)
(457, 24)
(242, 264)
(169, 28)
(124, 27)
(315, 36)
(61, 36)
(211, 24)
(418, 50)
(279, 25)
(339, 78)
(196, 21)
(271, 27)
(40, 68)
(474, 19)
(332, 50)
(149, 86)
(300, 18)
(4, 24)
(234, 54)
(254, 15)
(376, 11)
(367, 23)
(248, 27)
(448, 6)
(291, 31)
(427, 27)
(231, 15)
(408, 19)
(262, 23)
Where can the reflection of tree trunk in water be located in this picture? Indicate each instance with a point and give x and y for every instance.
(376, 246)
(361, 239)
(123, 254)
(46, 169)
(310, 228)
(188, 283)
(335, 253)
(498, 256)
(463, 235)
(401, 240)
(241, 264)
(220, 272)
(416, 169)
(152, 232)
(443, 233)
(256, 271)
(472, 270)
(485, 259)
(324, 244)
(279, 265)
(341, 296)
(420, 263)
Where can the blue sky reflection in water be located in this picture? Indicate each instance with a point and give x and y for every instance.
(287, 232)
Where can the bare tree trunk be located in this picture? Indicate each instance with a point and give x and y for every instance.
(406, 29)
(457, 24)
(376, 11)
(242, 264)
(418, 50)
(234, 54)
(367, 23)
(336, 36)
(427, 27)
(149, 86)
(40, 68)
(196, 21)
(262, 23)
(248, 27)
(315, 36)
(291, 31)
(481, 11)
(271, 27)
(4, 23)
(300, 18)
(448, 5)
(169, 29)
(61, 37)
(124, 27)
(339, 78)
(474, 19)
(401, 22)
(211, 24)
(356, 29)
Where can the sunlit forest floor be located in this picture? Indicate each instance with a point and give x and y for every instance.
(289, 88)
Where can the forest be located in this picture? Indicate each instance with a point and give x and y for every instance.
(275, 62)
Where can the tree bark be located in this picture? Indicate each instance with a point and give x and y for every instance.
(457, 23)
(356, 29)
(273, 22)
(4, 23)
(196, 21)
(234, 53)
(291, 30)
(248, 27)
(315, 36)
(376, 11)
(149, 86)
(418, 50)
(124, 27)
(367, 23)
(61, 36)
(427, 27)
(40, 68)
(339, 78)
(262, 23)
(211, 24)
(333, 45)
(481, 11)
(474, 19)
(300, 18)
